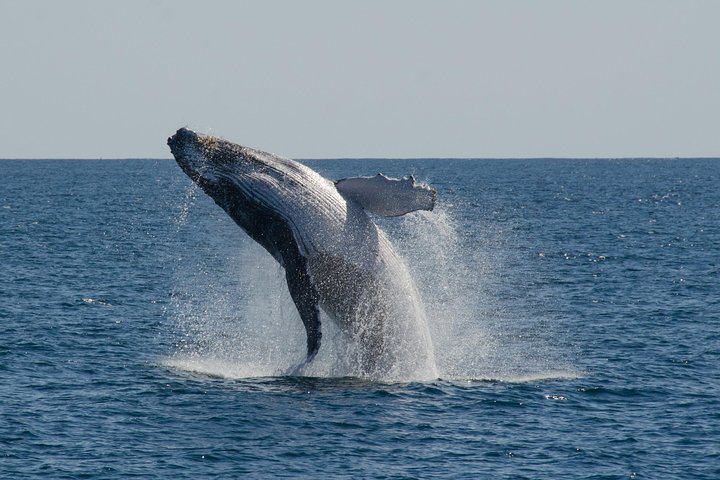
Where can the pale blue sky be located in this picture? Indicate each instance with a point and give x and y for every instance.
(395, 78)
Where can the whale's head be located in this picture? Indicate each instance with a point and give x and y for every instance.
(252, 186)
(210, 160)
(206, 159)
(187, 148)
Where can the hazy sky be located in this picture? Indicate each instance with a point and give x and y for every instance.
(109, 79)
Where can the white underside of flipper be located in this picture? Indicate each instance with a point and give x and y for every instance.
(388, 197)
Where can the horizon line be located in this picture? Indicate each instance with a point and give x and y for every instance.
(31, 159)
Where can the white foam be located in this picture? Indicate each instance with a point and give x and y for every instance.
(535, 377)
(218, 368)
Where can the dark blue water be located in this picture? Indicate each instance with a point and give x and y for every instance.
(574, 305)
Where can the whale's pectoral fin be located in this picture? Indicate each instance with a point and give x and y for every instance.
(306, 300)
(386, 196)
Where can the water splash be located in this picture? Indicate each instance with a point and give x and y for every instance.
(451, 290)
(235, 317)
(478, 332)
(240, 320)
(246, 325)
(189, 200)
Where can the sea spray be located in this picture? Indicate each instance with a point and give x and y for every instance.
(477, 333)
(186, 205)
(248, 326)
(235, 317)
(452, 292)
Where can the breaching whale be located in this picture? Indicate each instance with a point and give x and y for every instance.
(335, 258)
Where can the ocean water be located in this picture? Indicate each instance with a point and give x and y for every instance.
(574, 307)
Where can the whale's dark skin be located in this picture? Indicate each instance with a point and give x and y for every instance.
(262, 225)
(334, 256)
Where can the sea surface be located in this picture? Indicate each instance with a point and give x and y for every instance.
(574, 307)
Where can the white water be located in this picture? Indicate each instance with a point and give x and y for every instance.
(236, 319)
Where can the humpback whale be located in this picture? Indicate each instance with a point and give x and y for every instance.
(335, 258)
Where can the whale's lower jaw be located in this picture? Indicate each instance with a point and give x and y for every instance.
(334, 256)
